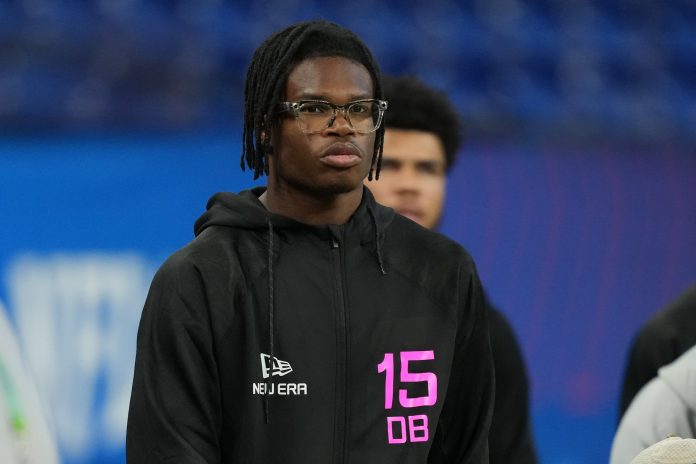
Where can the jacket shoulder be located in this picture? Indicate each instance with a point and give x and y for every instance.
(216, 257)
(415, 243)
(437, 265)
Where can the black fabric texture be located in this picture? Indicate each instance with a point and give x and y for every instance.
(511, 436)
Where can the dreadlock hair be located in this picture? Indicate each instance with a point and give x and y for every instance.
(415, 106)
(267, 77)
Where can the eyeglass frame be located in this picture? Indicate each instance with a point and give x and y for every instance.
(294, 108)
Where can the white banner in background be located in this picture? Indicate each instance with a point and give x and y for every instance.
(77, 317)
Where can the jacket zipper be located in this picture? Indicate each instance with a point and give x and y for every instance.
(342, 349)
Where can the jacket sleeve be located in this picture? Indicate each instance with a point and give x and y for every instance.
(462, 432)
(175, 412)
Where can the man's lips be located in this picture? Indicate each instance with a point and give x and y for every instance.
(341, 155)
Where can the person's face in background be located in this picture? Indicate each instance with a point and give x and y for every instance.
(412, 180)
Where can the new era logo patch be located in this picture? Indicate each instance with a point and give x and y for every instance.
(272, 366)
(277, 367)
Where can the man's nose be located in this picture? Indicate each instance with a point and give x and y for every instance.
(339, 122)
(408, 180)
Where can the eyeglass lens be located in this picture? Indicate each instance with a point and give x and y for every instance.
(363, 117)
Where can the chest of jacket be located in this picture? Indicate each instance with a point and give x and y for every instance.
(336, 359)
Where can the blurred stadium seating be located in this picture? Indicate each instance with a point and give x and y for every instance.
(571, 70)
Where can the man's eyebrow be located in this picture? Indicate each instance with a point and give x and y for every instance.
(431, 162)
(312, 96)
(361, 96)
(316, 96)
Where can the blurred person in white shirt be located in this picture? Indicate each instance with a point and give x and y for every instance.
(25, 437)
(666, 406)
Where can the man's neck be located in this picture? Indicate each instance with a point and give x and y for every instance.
(310, 209)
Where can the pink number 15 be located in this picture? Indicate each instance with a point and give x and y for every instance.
(387, 366)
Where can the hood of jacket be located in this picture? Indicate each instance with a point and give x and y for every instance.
(245, 211)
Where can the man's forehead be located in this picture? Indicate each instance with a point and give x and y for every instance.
(313, 77)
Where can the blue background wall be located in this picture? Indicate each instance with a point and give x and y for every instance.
(578, 248)
(575, 191)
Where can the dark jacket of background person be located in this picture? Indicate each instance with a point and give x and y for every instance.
(511, 437)
(346, 309)
(665, 337)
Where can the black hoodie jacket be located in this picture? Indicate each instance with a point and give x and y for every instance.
(267, 341)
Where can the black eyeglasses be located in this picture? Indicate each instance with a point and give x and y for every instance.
(313, 116)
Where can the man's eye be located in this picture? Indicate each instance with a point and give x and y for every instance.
(359, 108)
(316, 108)
(432, 169)
(389, 165)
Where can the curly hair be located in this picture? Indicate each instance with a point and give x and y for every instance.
(415, 106)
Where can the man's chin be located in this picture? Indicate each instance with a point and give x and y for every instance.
(331, 188)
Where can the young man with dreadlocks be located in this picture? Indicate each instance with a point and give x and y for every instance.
(422, 135)
(305, 323)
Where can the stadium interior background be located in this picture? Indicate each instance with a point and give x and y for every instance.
(575, 190)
